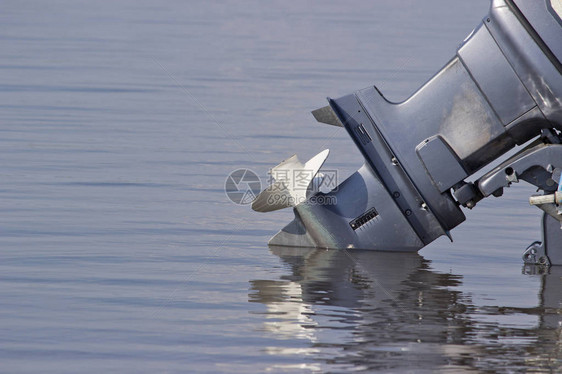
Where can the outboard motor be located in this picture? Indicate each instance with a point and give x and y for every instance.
(503, 88)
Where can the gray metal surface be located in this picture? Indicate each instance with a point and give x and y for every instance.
(534, 68)
(441, 163)
(326, 115)
(548, 251)
(544, 21)
(502, 88)
(327, 226)
(487, 65)
(531, 165)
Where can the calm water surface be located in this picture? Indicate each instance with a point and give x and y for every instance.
(119, 251)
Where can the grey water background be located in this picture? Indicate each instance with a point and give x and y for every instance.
(120, 252)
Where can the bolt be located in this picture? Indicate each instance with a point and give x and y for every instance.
(408, 212)
(396, 194)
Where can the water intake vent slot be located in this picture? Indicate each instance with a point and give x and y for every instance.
(363, 219)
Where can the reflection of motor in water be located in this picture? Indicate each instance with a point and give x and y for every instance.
(389, 311)
(372, 304)
(502, 89)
